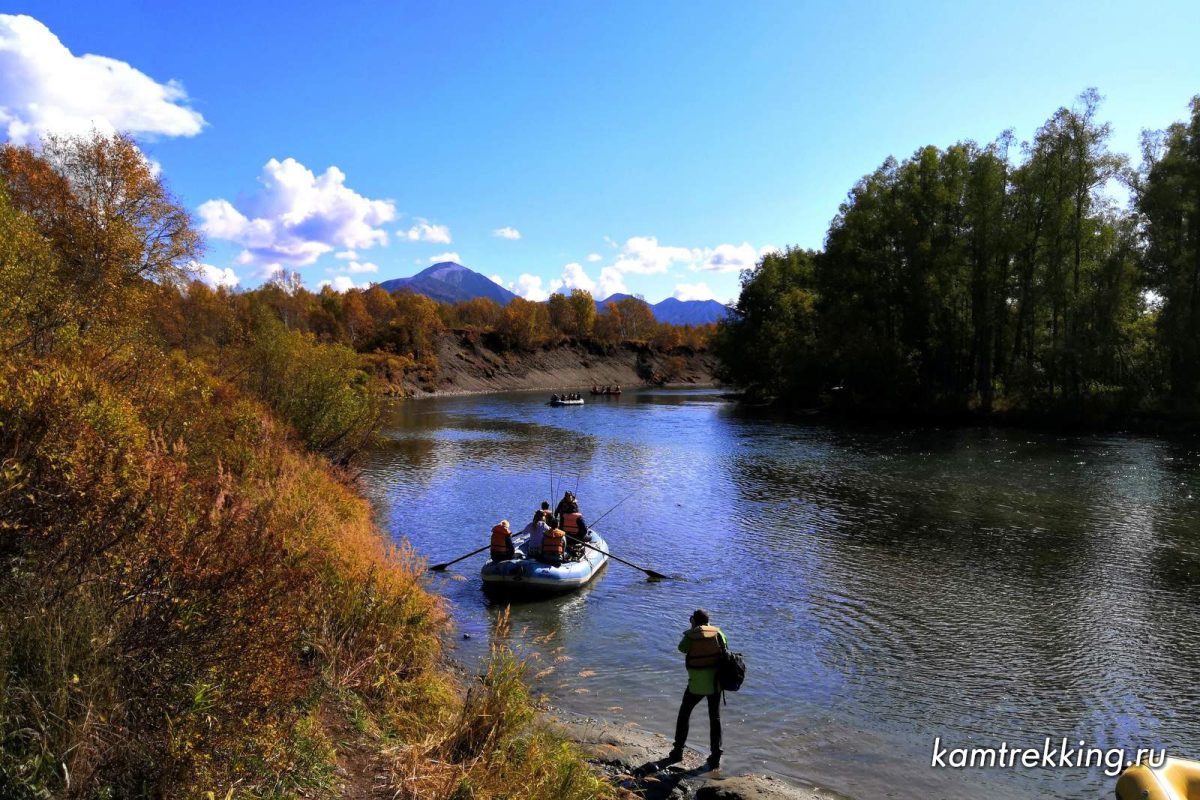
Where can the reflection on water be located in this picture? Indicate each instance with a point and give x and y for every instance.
(887, 586)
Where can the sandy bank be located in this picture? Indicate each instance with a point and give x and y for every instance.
(472, 365)
(630, 757)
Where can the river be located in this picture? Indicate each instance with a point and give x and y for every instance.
(887, 585)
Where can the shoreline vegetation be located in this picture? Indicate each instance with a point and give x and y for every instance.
(998, 283)
(194, 599)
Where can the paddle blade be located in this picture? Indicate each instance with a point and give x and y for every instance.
(438, 568)
(657, 576)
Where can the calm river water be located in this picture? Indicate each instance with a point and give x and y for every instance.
(886, 586)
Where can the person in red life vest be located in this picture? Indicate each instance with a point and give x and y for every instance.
(702, 645)
(502, 543)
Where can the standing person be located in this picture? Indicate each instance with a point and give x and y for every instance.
(702, 645)
(502, 543)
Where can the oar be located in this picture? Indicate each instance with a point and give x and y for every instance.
(442, 567)
(651, 573)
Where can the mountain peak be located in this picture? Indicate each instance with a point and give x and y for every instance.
(451, 282)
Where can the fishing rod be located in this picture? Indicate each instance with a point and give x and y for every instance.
(614, 508)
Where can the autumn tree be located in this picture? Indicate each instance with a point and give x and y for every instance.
(112, 224)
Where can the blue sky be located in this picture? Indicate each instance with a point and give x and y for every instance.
(651, 147)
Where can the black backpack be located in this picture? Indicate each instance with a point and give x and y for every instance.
(731, 670)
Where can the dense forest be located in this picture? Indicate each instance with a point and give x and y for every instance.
(993, 278)
(194, 599)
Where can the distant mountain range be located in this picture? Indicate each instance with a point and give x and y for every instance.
(448, 282)
(678, 312)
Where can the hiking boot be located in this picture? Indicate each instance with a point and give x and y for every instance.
(713, 761)
(674, 757)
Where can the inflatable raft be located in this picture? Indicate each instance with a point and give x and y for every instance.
(530, 576)
(567, 402)
(1176, 779)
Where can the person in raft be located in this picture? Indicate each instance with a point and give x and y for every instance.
(536, 531)
(702, 645)
(502, 543)
(571, 521)
(554, 547)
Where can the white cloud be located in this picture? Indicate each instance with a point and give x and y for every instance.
(296, 217)
(215, 276)
(447, 256)
(44, 88)
(693, 291)
(496, 279)
(425, 231)
(643, 255)
(355, 267)
(341, 283)
(611, 282)
(573, 277)
(731, 257)
(529, 287)
(346, 255)
(594, 257)
(507, 233)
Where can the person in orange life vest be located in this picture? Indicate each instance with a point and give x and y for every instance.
(568, 499)
(702, 644)
(554, 547)
(572, 523)
(502, 544)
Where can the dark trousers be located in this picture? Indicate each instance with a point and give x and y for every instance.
(714, 720)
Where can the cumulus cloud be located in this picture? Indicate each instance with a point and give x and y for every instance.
(216, 276)
(643, 255)
(693, 291)
(594, 257)
(44, 88)
(506, 233)
(346, 255)
(297, 216)
(425, 231)
(611, 282)
(529, 287)
(447, 256)
(355, 267)
(496, 279)
(341, 283)
(731, 257)
(573, 277)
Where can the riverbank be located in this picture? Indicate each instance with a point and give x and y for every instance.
(630, 758)
(472, 364)
(1151, 422)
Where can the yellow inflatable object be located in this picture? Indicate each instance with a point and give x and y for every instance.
(1177, 779)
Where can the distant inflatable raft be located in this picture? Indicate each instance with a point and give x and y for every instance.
(527, 575)
(1177, 779)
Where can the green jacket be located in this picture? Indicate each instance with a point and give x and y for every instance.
(701, 681)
